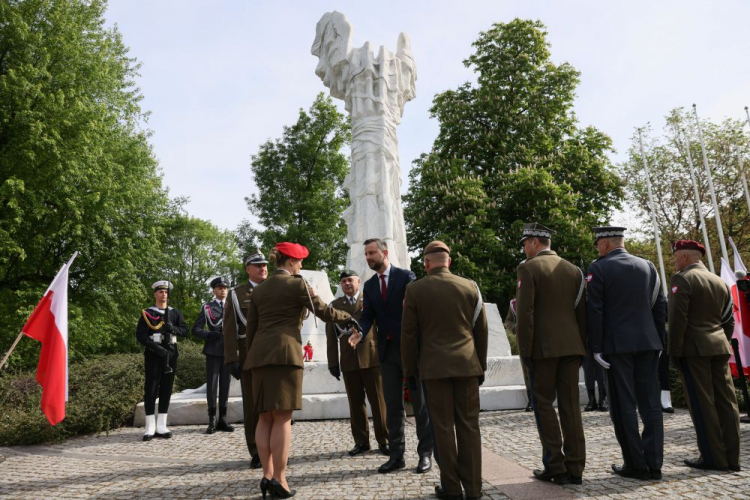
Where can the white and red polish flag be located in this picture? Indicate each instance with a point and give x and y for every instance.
(48, 324)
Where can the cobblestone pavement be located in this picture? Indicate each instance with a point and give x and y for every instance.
(194, 465)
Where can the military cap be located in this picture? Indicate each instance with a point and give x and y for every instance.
(256, 258)
(536, 230)
(435, 247)
(346, 273)
(162, 285)
(688, 245)
(293, 250)
(608, 232)
(219, 281)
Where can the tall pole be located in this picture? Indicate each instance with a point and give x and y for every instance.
(706, 242)
(742, 176)
(717, 215)
(657, 239)
(747, 113)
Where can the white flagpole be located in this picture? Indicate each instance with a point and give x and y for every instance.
(738, 153)
(717, 215)
(657, 239)
(706, 242)
(748, 115)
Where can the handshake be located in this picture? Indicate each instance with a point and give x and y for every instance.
(348, 328)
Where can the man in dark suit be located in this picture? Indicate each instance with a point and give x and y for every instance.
(209, 326)
(624, 305)
(384, 303)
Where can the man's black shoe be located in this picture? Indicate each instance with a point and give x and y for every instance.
(699, 463)
(591, 405)
(668, 409)
(255, 462)
(575, 479)
(627, 471)
(223, 425)
(424, 465)
(553, 477)
(529, 407)
(603, 406)
(654, 474)
(442, 494)
(211, 425)
(734, 468)
(392, 465)
(359, 449)
(384, 450)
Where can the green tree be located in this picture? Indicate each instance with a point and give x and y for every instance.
(509, 151)
(300, 196)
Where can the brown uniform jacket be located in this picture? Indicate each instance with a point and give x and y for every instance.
(701, 317)
(550, 308)
(234, 329)
(366, 354)
(438, 339)
(274, 320)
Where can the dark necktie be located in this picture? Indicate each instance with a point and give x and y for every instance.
(384, 294)
(221, 307)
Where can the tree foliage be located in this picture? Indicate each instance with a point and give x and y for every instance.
(300, 196)
(509, 151)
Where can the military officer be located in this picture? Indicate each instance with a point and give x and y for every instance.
(157, 330)
(701, 323)
(235, 343)
(361, 370)
(623, 308)
(551, 332)
(444, 342)
(208, 326)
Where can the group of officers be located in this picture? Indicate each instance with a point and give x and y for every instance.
(433, 334)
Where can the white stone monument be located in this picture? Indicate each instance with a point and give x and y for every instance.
(374, 90)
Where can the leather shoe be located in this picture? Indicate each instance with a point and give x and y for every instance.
(163, 435)
(444, 495)
(546, 475)
(734, 468)
(699, 463)
(627, 471)
(668, 409)
(223, 425)
(391, 465)
(359, 449)
(384, 450)
(255, 462)
(528, 407)
(591, 406)
(603, 406)
(424, 465)
(654, 474)
(575, 479)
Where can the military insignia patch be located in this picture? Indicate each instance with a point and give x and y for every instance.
(674, 289)
(589, 278)
(519, 282)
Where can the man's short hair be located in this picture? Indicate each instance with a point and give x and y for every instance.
(543, 240)
(381, 243)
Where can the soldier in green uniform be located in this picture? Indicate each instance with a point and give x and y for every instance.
(361, 370)
(551, 332)
(701, 323)
(235, 343)
(444, 341)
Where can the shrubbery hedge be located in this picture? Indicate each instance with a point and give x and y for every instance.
(103, 394)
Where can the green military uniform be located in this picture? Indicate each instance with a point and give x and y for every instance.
(701, 323)
(361, 371)
(235, 350)
(551, 333)
(444, 342)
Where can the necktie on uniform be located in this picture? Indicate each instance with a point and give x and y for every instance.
(384, 294)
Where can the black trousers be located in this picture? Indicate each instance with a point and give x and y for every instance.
(217, 375)
(664, 371)
(393, 380)
(158, 384)
(593, 373)
(634, 389)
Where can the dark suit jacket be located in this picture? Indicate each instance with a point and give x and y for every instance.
(620, 305)
(202, 328)
(387, 315)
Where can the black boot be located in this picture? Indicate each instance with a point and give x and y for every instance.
(223, 425)
(603, 406)
(591, 406)
(211, 421)
(528, 397)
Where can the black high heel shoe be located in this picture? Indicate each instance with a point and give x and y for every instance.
(278, 491)
(264, 486)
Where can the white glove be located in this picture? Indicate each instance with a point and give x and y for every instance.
(600, 360)
(660, 353)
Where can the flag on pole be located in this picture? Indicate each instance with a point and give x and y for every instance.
(48, 324)
(738, 264)
(741, 316)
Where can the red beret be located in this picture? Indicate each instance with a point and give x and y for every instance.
(688, 245)
(293, 250)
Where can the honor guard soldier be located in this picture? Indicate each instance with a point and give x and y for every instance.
(624, 305)
(701, 323)
(551, 332)
(235, 344)
(444, 342)
(157, 330)
(361, 370)
(208, 326)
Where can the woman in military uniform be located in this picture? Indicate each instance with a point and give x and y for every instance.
(274, 321)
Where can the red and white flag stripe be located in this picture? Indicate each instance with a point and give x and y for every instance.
(48, 324)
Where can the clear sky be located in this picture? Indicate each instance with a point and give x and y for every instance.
(222, 77)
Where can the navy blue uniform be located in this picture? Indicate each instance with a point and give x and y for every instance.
(208, 326)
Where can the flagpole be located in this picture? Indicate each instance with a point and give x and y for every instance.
(706, 242)
(7, 354)
(742, 176)
(717, 215)
(657, 239)
(747, 113)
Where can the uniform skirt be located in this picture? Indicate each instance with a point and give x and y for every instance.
(277, 387)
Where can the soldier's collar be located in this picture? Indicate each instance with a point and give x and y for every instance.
(439, 270)
(691, 266)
